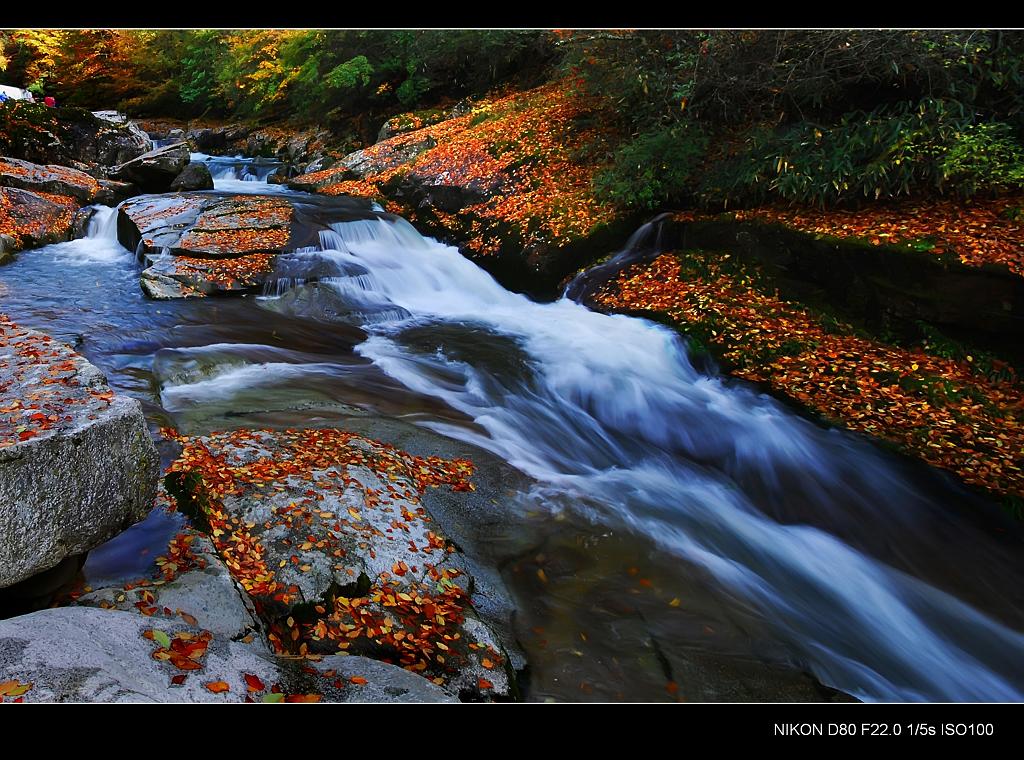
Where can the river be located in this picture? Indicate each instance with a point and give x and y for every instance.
(682, 531)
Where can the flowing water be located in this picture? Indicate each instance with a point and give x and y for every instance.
(680, 526)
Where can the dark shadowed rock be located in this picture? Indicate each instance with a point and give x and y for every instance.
(117, 140)
(77, 465)
(154, 171)
(195, 176)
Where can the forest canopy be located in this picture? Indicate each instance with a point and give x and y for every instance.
(718, 118)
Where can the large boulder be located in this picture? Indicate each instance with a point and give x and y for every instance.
(83, 654)
(195, 176)
(116, 141)
(210, 243)
(29, 219)
(77, 465)
(59, 180)
(327, 532)
(64, 136)
(153, 172)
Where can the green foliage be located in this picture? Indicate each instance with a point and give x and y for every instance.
(653, 169)
(351, 74)
(984, 157)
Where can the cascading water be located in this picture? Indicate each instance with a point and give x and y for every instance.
(876, 576)
(237, 174)
(611, 413)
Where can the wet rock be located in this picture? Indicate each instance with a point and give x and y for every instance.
(77, 465)
(59, 180)
(162, 287)
(83, 654)
(208, 140)
(202, 589)
(318, 165)
(346, 536)
(154, 171)
(195, 176)
(28, 219)
(218, 243)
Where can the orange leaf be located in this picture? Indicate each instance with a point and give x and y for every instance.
(483, 683)
(254, 683)
(217, 687)
(359, 680)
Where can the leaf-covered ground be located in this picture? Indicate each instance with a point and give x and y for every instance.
(961, 415)
(982, 231)
(521, 152)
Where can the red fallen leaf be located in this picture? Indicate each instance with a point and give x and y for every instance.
(217, 687)
(26, 434)
(302, 698)
(178, 680)
(253, 683)
(672, 687)
(358, 680)
(188, 618)
(38, 417)
(483, 683)
(487, 663)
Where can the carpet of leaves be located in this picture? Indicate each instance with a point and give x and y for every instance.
(244, 271)
(941, 410)
(40, 385)
(983, 231)
(413, 623)
(24, 223)
(518, 151)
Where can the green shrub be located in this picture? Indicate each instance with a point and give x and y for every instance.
(984, 157)
(653, 169)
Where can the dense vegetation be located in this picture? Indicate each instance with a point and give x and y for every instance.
(716, 118)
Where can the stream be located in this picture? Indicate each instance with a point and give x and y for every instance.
(677, 526)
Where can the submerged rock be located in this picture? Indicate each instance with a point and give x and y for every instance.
(154, 171)
(77, 465)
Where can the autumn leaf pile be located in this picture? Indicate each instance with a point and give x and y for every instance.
(410, 615)
(941, 410)
(982, 231)
(518, 150)
(40, 385)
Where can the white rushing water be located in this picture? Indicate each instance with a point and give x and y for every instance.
(238, 174)
(611, 413)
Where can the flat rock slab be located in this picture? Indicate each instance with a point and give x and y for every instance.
(325, 530)
(59, 180)
(77, 465)
(83, 654)
(213, 243)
